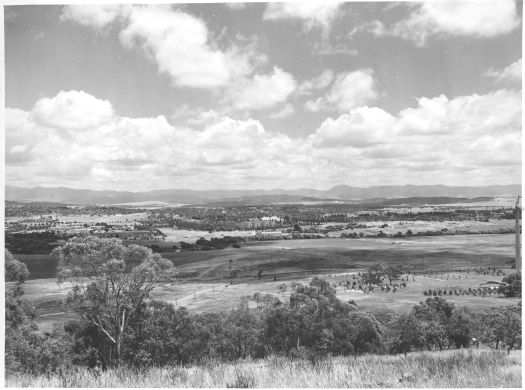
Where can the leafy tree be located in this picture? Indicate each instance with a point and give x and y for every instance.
(314, 321)
(512, 287)
(160, 335)
(366, 332)
(88, 345)
(408, 334)
(373, 274)
(459, 327)
(512, 325)
(393, 272)
(14, 270)
(19, 318)
(434, 309)
(435, 313)
(110, 283)
(502, 326)
(25, 350)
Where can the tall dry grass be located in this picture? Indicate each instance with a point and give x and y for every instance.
(455, 368)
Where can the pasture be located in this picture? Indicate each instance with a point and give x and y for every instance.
(216, 279)
(393, 227)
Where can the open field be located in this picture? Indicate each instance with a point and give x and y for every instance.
(207, 282)
(471, 226)
(447, 369)
(191, 236)
(297, 257)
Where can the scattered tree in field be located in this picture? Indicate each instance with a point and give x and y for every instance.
(393, 272)
(110, 283)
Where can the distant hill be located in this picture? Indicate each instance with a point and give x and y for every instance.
(339, 193)
(418, 201)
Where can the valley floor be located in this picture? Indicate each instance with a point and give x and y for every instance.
(446, 369)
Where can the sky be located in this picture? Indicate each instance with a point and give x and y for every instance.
(263, 95)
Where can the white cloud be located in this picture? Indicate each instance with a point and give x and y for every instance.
(93, 15)
(148, 152)
(349, 90)
(313, 12)
(464, 140)
(447, 121)
(511, 73)
(474, 139)
(497, 112)
(362, 127)
(263, 91)
(180, 45)
(75, 110)
(178, 42)
(479, 19)
(320, 82)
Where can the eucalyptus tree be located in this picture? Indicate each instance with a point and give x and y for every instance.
(110, 283)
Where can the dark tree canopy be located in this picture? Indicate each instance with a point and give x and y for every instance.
(512, 287)
(15, 270)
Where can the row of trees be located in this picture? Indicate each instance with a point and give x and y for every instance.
(119, 323)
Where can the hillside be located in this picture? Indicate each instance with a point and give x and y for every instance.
(448, 369)
(338, 193)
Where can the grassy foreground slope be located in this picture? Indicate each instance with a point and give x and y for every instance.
(451, 368)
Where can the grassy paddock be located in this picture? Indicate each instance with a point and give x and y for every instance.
(453, 368)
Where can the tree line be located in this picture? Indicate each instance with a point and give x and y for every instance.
(119, 324)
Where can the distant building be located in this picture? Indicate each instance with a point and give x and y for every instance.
(492, 285)
(271, 219)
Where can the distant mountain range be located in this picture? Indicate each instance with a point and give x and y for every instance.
(338, 193)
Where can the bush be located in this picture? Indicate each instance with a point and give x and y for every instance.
(512, 287)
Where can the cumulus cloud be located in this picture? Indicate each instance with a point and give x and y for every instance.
(362, 127)
(93, 15)
(178, 42)
(496, 112)
(263, 91)
(148, 152)
(313, 13)
(491, 115)
(75, 110)
(440, 138)
(183, 48)
(471, 140)
(349, 90)
(479, 19)
(511, 73)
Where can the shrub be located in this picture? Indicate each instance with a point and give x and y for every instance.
(512, 287)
